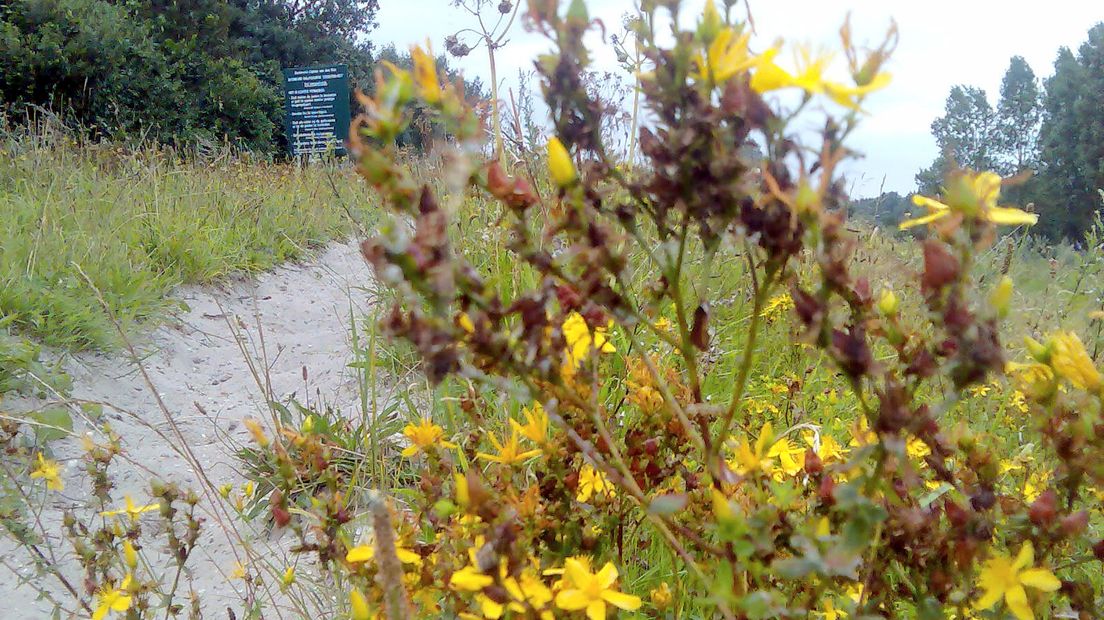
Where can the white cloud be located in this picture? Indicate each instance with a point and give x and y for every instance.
(942, 43)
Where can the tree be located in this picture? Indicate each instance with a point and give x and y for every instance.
(174, 71)
(967, 136)
(1019, 114)
(1072, 140)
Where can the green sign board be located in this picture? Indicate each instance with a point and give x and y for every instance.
(316, 100)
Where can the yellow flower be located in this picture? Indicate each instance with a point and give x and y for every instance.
(509, 453)
(750, 458)
(131, 510)
(425, 74)
(726, 57)
(973, 194)
(423, 436)
(364, 553)
(1070, 360)
(916, 448)
(828, 449)
(1034, 379)
(535, 428)
(592, 481)
(810, 78)
(849, 96)
(470, 579)
(1001, 297)
(581, 340)
(559, 163)
(111, 599)
(791, 458)
(49, 471)
(1035, 484)
(1005, 578)
(861, 435)
(288, 577)
(130, 556)
(358, 605)
(257, 432)
(776, 306)
(465, 322)
(591, 591)
(527, 589)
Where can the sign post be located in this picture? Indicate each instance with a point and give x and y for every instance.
(316, 101)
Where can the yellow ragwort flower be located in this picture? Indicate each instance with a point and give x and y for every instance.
(1070, 360)
(1005, 578)
(560, 165)
(974, 195)
(424, 436)
(591, 482)
(49, 471)
(110, 599)
(130, 509)
(592, 591)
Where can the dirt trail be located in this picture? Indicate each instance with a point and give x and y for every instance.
(302, 315)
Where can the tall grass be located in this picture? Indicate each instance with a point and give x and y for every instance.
(138, 223)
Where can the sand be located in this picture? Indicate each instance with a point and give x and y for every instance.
(294, 318)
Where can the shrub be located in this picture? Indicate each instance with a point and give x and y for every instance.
(614, 426)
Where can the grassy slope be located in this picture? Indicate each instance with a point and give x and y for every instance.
(139, 224)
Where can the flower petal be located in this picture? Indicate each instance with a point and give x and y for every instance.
(1016, 598)
(607, 575)
(1010, 216)
(989, 598)
(596, 610)
(621, 600)
(920, 221)
(1025, 558)
(928, 203)
(360, 553)
(571, 600)
(1040, 579)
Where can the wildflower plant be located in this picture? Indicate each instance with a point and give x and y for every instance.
(644, 448)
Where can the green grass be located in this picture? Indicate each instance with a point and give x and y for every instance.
(137, 224)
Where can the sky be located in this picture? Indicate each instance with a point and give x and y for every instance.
(942, 43)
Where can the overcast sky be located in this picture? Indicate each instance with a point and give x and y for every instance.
(942, 43)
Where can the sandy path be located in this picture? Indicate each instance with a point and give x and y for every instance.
(196, 363)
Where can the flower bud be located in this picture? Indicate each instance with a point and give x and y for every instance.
(888, 304)
(1001, 297)
(559, 163)
(1037, 350)
(710, 25)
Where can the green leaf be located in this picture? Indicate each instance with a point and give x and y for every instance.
(53, 423)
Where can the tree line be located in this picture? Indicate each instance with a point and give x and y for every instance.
(179, 71)
(1049, 133)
